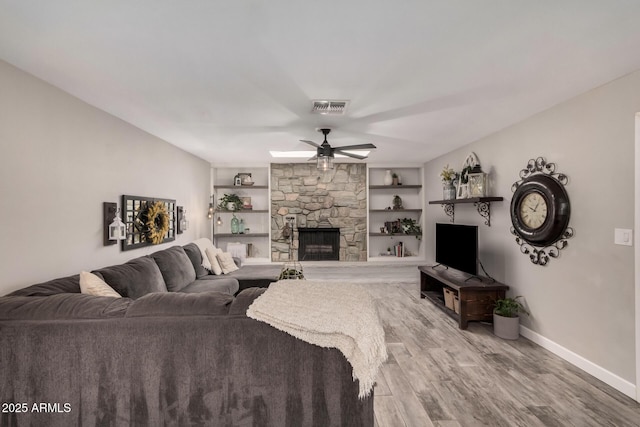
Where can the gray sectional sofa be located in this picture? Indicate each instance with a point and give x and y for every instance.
(177, 350)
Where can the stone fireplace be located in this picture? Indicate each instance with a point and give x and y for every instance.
(319, 200)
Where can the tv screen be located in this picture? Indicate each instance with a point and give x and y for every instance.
(457, 247)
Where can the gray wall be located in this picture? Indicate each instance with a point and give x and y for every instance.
(584, 300)
(60, 159)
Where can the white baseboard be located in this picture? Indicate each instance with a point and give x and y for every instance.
(589, 367)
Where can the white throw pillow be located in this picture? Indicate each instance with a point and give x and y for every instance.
(91, 284)
(226, 262)
(213, 260)
(204, 244)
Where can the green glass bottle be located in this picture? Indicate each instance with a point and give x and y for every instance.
(235, 225)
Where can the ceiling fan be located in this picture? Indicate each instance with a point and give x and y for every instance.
(325, 152)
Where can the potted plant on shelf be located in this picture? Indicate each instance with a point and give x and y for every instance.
(448, 175)
(410, 226)
(230, 202)
(506, 319)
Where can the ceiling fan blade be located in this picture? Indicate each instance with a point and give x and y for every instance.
(357, 147)
(355, 156)
(312, 158)
(310, 143)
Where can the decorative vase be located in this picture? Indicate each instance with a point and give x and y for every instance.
(507, 328)
(235, 225)
(388, 179)
(241, 226)
(448, 190)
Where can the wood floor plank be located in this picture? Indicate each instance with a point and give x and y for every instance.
(407, 403)
(386, 412)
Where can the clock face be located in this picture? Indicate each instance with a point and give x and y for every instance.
(533, 210)
(540, 210)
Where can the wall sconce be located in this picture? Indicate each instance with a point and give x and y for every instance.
(212, 208)
(114, 229)
(219, 221)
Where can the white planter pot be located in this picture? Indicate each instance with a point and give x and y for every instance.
(507, 328)
(231, 206)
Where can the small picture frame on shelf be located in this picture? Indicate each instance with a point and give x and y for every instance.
(246, 203)
(237, 181)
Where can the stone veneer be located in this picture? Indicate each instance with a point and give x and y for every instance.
(335, 198)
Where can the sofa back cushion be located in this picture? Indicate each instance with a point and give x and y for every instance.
(135, 278)
(69, 284)
(195, 256)
(181, 304)
(62, 306)
(175, 266)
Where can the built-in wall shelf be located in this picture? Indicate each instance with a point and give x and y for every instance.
(241, 187)
(395, 210)
(395, 187)
(249, 235)
(483, 205)
(394, 234)
(256, 220)
(244, 211)
(380, 213)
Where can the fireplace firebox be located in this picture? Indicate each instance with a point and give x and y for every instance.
(318, 244)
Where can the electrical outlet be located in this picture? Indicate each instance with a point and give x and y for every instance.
(623, 236)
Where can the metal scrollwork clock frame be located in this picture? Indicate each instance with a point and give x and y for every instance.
(545, 241)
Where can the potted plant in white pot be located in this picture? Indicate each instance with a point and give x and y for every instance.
(506, 319)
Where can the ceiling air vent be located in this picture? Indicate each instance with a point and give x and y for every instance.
(321, 106)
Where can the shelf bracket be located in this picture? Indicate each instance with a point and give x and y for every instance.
(449, 209)
(484, 209)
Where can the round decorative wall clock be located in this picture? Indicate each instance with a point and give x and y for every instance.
(540, 211)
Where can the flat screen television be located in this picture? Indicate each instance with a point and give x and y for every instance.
(457, 247)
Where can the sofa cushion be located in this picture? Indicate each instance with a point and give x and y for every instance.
(227, 285)
(69, 284)
(212, 256)
(91, 284)
(135, 278)
(62, 306)
(227, 263)
(181, 304)
(195, 256)
(244, 299)
(175, 266)
(203, 244)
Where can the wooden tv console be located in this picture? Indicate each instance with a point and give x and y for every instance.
(476, 295)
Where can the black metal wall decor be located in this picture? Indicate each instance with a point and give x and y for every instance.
(149, 221)
(540, 211)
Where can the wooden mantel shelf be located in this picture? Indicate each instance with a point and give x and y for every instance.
(483, 204)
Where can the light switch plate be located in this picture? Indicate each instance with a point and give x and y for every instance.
(623, 236)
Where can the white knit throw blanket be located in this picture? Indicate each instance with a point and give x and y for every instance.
(328, 314)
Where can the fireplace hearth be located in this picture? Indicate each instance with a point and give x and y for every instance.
(318, 244)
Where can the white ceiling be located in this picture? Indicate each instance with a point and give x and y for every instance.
(230, 80)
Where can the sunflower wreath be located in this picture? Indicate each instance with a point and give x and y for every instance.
(157, 222)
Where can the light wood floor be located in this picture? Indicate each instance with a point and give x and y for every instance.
(439, 375)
